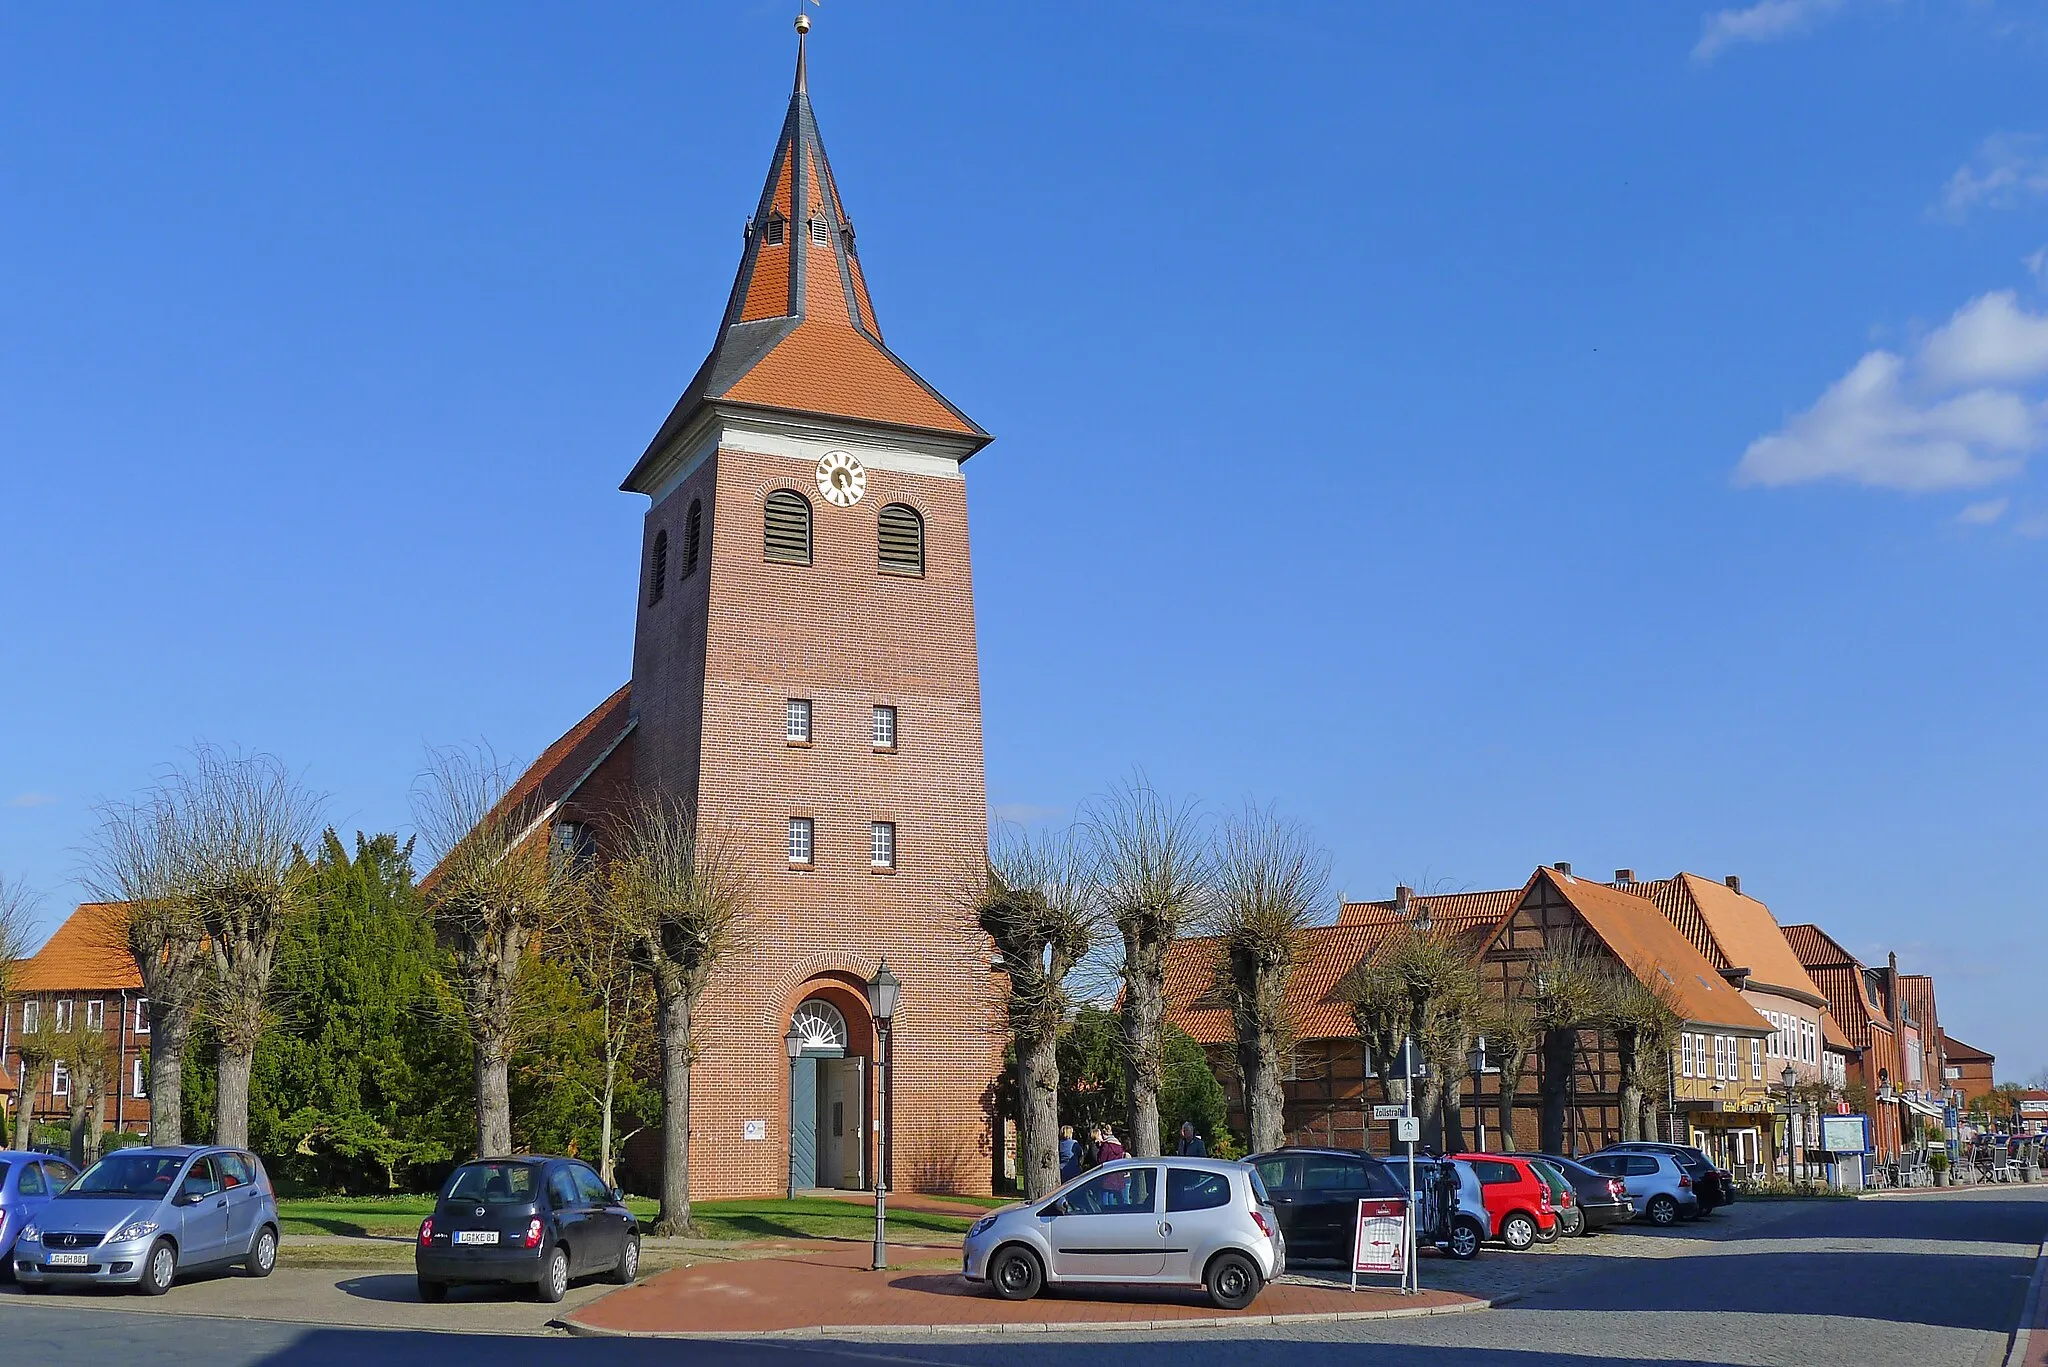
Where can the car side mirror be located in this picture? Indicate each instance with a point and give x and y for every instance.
(189, 1197)
(619, 1195)
(1059, 1207)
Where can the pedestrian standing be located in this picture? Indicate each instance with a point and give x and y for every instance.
(1109, 1150)
(1191, 1145)
(1070, 1154)
(1091, 1152)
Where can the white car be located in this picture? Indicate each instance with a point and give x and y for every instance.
(1145, 1221)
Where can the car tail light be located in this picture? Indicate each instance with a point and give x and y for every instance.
(1259, 1219)
(533, 1232)
(1616, 1188)
(1684, 1182)
(426, 1231)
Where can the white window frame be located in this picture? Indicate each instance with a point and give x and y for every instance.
(31, 1015)
(882, 844)
(61, 1013)
(1685, 1054)
(803, 841)
(1812, 1040)
(95, 1014)
(884, 727)
(796, 721)
(139, 1085)
(1756, 1060)
(60, 1079)
(141, 1016)
(1720, 1058)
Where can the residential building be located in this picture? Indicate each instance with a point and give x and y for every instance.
(1859, 999)
(1928, 1074)
(1715, 1073)
(1742, 940)
(1967, 1071)
(83, 976)
(804, 678)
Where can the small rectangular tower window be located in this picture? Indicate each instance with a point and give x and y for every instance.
(882, 844)
(801, 843)
(64, 1014)
(885, 728)
(797, 721)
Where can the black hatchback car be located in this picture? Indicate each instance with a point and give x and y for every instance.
(539, 1222)
(1316, 1193)
(1602, 1200)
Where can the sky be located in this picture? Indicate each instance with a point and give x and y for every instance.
(1492, 435)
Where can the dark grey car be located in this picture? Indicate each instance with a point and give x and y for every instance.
(538, 1222)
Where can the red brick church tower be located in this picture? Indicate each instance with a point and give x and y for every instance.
(804, 671)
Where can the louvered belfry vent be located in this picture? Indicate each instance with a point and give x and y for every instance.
(789, 527)
(657, 573)
(902, 540)
(693, 537)
(821, 235)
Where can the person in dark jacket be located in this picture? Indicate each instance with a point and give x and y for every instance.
(1191, 1145)
(1109, 1150)
(1070, 1154)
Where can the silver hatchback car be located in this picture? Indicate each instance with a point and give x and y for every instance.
(139, 1217)
(1149, 1221)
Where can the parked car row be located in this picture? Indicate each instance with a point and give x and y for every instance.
(142, 1217)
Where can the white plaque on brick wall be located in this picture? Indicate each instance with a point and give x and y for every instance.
(755, 1129)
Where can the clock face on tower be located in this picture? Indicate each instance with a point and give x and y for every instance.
(841, 479)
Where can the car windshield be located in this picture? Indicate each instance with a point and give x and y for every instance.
(129, 1174)
(494, 1184)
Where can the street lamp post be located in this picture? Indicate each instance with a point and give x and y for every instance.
(794, 1043)
(1789, 1079)
(883, 990)
(1476, 1060)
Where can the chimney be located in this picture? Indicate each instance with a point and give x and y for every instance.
(1402, 892)
(1734, 881)
(1563, 869)
(1624, 875)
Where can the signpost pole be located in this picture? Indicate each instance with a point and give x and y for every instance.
(1408, 1279)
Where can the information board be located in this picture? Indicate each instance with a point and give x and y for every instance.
(1381, 1242)
(1845, 1133)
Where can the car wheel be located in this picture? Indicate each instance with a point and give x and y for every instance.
(554, 1276)
(1662, 1210)
(1518, 1231)
(1570, 1223)
(1233, 1281)
(159, 1269)
(628, 1270)
(1015, 1274)
(263, 1257)
(1466, 1236)
(433, 1292)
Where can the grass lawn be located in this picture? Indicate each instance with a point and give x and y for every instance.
(814, 1217)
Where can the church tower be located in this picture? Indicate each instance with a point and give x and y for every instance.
(804, 672)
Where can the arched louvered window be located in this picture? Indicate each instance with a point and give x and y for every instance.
(789, 528)
(693, 537)
(901, 540)
(657, 571)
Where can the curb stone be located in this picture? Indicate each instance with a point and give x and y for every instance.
(820, 1331)
(2016, 1353)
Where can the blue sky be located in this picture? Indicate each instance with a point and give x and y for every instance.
(1596, 433)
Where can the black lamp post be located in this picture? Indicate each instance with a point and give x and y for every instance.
(794, 1043)
(883, 990)
(1475, 1059)
(1795, 1121)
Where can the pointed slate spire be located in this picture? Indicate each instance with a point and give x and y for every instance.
(799, 333)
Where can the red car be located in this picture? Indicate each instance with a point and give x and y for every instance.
(1517, 1199)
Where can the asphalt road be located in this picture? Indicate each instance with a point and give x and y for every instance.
(1927, 1281)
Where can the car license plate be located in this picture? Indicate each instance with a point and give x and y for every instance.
(476, 1236)
(69, 1260)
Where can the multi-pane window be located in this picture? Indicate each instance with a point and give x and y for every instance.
(142, 1015)
(31, 1015)
(882, 844)
(1720, 1060)
(63, 1014)
(1685, 1054)
(60, 1080)
(885, 728)
(95, 1015)
(801, 842)
(139, 1082)
(1756, 1060)
(796, 722)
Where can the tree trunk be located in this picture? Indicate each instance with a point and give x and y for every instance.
(31, 1080)
(1630, 1069)
(167, 1077)
(604, 1140)
(1143, 1013)
(231, 1099)
(95, 1138)
(1560, 1050)
(1453, 1125)
(1038, 1108)
(1259, 1048)
(674, 1217)
(81, 1112)
(493, 1099)
(1429, 1106)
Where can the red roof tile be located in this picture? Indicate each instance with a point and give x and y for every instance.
(1732, 930)
(1959, 1052)
(89, 951)
(1639, 935)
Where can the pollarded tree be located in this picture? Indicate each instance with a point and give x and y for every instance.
(1269, 881)
(90, 1062)
(1571, 987)
(136, 861)
(17, 930)
(1512, 1033)
(1645, 1021)
(1150, 863)
(681, 894)
(1419, 985)
(498, 885)
(1038, 903)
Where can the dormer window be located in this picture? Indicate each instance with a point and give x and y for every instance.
(775, 232)
(821, 235)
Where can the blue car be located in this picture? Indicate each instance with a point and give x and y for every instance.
(27, 1180)
(141, 1216)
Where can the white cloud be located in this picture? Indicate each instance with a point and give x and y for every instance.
(33, 800)
(1985, 513)
(2036, 263)
(2034, 528)
(2008, 168)
(1962, 411)
(1764, 22)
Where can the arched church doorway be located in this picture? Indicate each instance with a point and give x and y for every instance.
(827, 1100)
